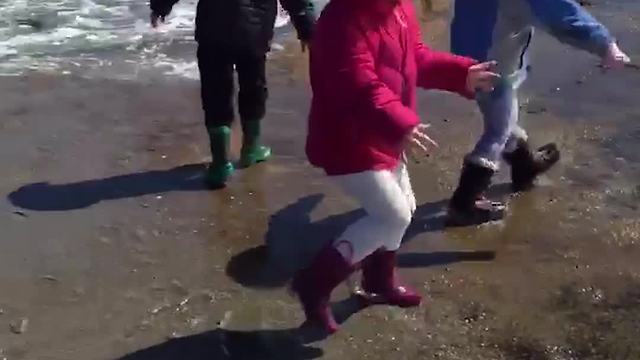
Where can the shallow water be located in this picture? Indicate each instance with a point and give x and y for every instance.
(99, 38)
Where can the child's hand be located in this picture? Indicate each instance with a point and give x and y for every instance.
(419, 141)
(481, 77)
(615, 58)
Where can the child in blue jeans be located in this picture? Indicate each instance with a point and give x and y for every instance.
(502, 30)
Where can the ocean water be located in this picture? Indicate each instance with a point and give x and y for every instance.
(99, 38)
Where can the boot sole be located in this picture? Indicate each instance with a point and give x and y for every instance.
(244, 163)
(248, 164)
(369, 299)
(457, 218)
(219, 183)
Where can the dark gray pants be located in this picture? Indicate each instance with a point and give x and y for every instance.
(217, 67)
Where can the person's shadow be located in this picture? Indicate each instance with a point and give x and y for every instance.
(293, 239)
(221, 344)
(79, 195)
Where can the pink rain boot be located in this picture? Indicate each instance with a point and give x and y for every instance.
(315, 284)
(380, 283)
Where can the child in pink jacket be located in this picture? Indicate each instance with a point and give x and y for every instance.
(367, 58)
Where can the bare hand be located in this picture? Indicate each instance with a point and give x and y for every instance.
(615, 58)
(419, 142)
(481, 77)
(156, 19)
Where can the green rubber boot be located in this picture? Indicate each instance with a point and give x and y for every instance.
(252, 151)
(221, 168)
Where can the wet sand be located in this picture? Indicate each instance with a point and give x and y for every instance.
(112, 249)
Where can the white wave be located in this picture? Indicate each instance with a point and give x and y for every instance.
(49, 35)
(283, 18)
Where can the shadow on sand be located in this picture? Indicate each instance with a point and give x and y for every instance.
(292, 239)
(79, 195)
(222, 344)
(227, 345)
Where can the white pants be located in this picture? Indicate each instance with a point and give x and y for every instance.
(388, 200)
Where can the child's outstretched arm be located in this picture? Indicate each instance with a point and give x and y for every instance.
(570, 23)
(445, 71)
(303, 16)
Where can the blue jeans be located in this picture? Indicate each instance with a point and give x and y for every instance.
(500, 114)
(511, 25)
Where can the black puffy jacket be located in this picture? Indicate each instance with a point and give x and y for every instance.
(244, 24)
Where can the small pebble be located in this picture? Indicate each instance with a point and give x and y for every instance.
(140, 233)
(78, 292)
(225, 319)
(144, 325)
(194, 322)
(20, 326)
(49, 278)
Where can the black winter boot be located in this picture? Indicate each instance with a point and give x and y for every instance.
(526, 165)
(468, 205)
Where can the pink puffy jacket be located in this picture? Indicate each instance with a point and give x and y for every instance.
(367, 59)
